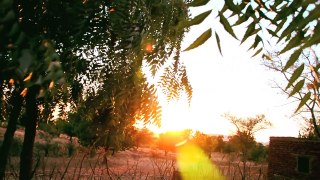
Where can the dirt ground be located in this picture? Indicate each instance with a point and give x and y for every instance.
(138, 163)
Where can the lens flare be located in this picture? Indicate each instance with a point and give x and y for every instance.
(194, 164)
(149, 48)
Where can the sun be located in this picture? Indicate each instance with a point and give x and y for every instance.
(179, 115)
(176, 116)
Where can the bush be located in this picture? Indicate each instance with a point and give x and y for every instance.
(16, 147)
(50, 149)
(259, 153)
(71, 149)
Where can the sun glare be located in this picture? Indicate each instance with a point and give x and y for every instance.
(178, 115)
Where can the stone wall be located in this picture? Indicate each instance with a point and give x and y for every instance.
(293, 158)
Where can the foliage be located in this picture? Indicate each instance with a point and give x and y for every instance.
(292, 26)
(49, 128)
(243, 141)
(143, 137)
(16, 147)
(307, 130)
(206, 142)
(168, 141)
(302, 73)
(259, 153)
(87, 56)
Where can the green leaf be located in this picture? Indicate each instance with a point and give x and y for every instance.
(286, 11)
(25, 60)
(249, 32)
(314, 14)
(226, 25)
(297, 87)
(257, 52)
(241, 20)
(200, 40)
(295, 75)
(292, 26)
(14, 30)
(263, 15)
(315, 38)
(257, 40)
(232, 6)
(196, 20)
(218, 42)
(279, 25)
(197, 3)
(272, 33)
(293, 58)
(8, 17)
(303, 101)
(295, 41)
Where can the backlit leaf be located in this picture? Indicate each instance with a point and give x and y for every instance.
(257, 40)
(249, 32)
(297, 87)
(257, 52)
(295, 75)
(315, 38)
(293, 58)
(218, 42)
(294, 42)
(196, 20)
(303, 101)
(196, 3)
(291, 27)
(200, 40)
(232, 6)
(279, 26)
(272, 33)
(226, 25)
(241, 20)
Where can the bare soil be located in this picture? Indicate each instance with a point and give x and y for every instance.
(139, 163)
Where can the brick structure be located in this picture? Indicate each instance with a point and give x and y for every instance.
(293, 158)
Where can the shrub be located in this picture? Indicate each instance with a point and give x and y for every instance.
(259, 153)
(71, 149)
(16, 147)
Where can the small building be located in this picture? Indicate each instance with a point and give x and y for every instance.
(293, 158)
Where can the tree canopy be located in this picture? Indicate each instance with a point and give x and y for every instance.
(86, 57)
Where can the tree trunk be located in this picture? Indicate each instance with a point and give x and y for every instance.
(26, 156)
(314, 122)
(15, 104)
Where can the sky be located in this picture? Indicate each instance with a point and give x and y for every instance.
(231, 83)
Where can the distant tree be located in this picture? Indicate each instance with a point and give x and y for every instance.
(143, 137)
(169, 140)
(204, 141)
(243, 141)
(259, 153)
(220, 143)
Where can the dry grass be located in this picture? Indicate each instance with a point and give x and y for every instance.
(140, 163)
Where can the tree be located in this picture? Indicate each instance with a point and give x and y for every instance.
(143, 137)
(303, 72)
(244, 141)
(87, 50)
(206, 142)
(168, 141)
(293, 27)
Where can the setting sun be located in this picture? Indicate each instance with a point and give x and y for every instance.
(179, 115)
